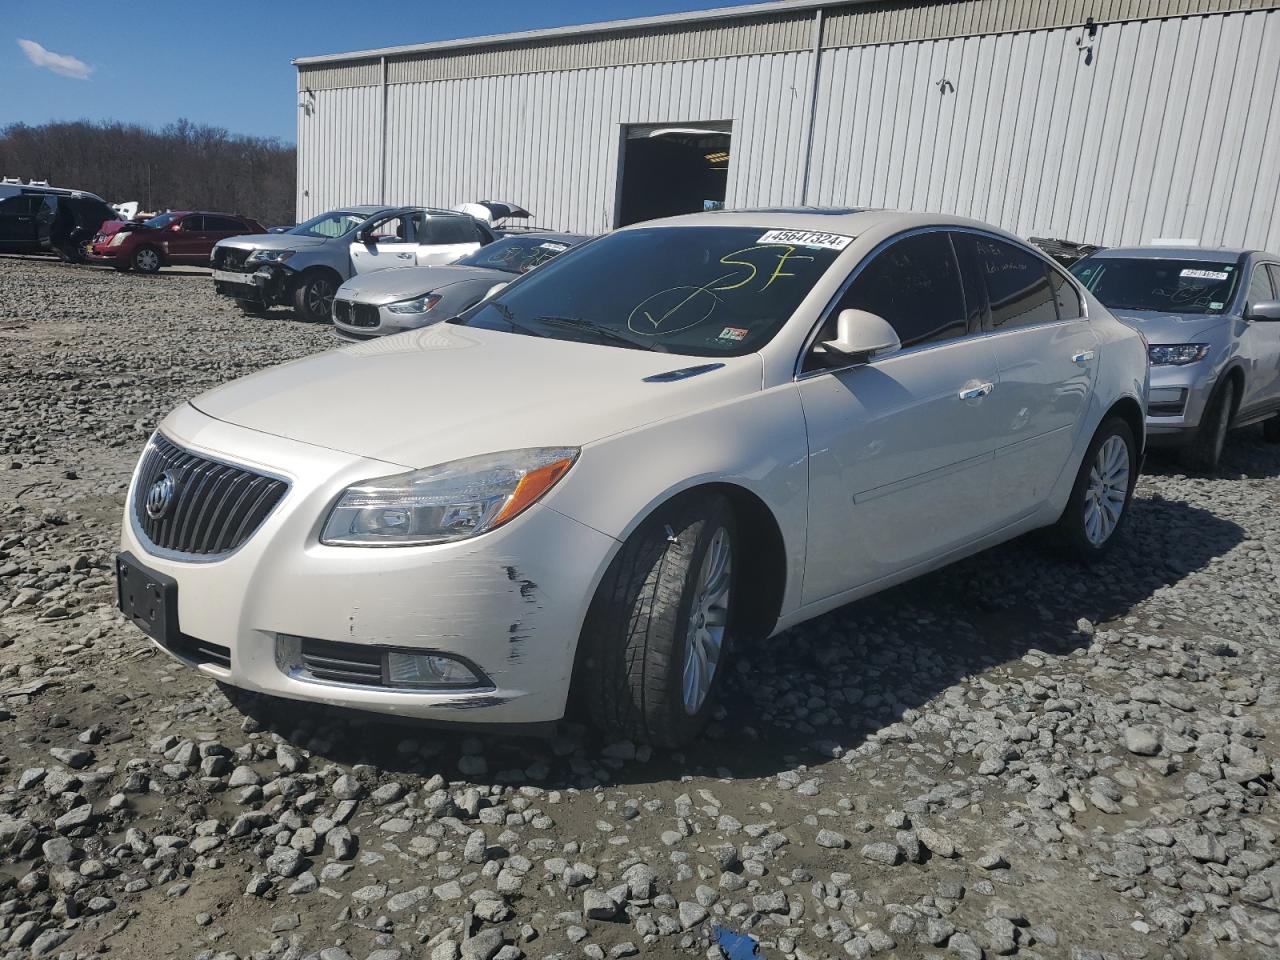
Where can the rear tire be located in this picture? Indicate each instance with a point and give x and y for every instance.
(313, 298)
(1204, 451)
(658, 632)
(1099, 503)
(146, 260)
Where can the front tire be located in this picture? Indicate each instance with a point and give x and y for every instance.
(1204, 451)
(252, 308)
(313, 298)
(658, 631)
(146, 260)
(1099, 503)
(1271, 429)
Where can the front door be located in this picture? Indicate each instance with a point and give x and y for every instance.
(186, 239)
(387, 243)
(1260, 344)
(900, 448)
(443, 239)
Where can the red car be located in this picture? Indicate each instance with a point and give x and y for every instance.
(176, 237)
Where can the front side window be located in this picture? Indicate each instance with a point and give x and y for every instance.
(1275, 277)
(1186, 286)
(915, 285)
(1017, 282)
(193, 224)
(699, 291)
(21, 205)
(1260, 285)
(336, 223)
(391, 230)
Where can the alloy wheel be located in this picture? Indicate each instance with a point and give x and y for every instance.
(1108, 489)
(147, 260)
(320, 298)
(708, 617)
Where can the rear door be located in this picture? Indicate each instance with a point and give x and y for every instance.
(1047, 357)
(444, 239)
(900, 448)
(18, 220)
(384, 243)
(218, 228)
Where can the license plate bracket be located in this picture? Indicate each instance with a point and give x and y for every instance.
(148, 598)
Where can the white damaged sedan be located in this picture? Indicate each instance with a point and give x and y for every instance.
(594, 483)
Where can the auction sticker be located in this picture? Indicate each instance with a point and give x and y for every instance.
(1205, 274)
(734, 333)
(557, 247)
(807, 238)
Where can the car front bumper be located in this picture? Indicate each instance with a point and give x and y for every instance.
(511, 602)
(268, 285)
(1176, 401)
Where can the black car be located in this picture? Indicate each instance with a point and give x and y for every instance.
(35, 217)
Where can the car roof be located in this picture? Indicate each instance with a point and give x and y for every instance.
(847, 221)
(1173, 252)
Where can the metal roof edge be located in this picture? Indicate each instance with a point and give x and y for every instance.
(769, 8)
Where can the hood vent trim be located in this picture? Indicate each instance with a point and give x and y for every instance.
(684, 373)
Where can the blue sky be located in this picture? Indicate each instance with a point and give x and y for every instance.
(226, 62)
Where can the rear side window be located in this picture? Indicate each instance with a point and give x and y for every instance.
(1064, 294)
(1260, 285)
(451, 230)
(223, 225)
(915, 285)
(18, 206)
(1275, 277)
(1017, 281)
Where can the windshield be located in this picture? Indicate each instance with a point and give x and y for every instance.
(160, 222)
(333, 224)
(1163, 286)
(516, 254)
(703, 291)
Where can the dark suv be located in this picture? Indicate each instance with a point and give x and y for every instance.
(35, 217)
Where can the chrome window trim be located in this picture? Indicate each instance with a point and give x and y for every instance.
(799, 373)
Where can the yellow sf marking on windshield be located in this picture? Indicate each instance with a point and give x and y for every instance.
(788, 253)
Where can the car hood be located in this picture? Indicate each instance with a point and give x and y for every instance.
(1160, 327)
(446, 392)
(275, 241)
(401, 283)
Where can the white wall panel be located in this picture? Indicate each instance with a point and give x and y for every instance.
(1169, 128)
(1163, 128)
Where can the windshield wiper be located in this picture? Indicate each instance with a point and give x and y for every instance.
(510, 317)
(590, 326)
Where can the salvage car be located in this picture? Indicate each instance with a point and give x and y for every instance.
(173, 238)
(36, 217)
(1211, 316)
(304, 266)
(393, 301)
(594, 483)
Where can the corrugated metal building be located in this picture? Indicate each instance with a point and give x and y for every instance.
(1103, 121)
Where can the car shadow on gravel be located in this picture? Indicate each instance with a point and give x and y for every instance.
(827, 686)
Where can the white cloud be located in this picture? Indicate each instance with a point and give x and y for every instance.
(60, 63)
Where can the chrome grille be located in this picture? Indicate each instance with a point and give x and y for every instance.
(364, 315)
(341, 311)
(213, 508)
(230, 258)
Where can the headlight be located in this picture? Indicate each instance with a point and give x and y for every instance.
(271, 256)
(1176, 354)
(117, 238)
(418, 305)
(452, 501)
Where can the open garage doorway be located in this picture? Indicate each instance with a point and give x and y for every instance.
(673, 168)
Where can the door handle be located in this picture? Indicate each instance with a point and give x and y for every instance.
(1084, 356)
(976, 391)
(405, 256)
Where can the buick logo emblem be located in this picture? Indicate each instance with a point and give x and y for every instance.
(160, 495)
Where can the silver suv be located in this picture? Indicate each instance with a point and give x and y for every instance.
(1210, 317)
(303, 266)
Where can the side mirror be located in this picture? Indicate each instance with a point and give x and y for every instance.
(1264, 310)
(861, 337)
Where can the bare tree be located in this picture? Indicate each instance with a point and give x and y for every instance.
(182, 166)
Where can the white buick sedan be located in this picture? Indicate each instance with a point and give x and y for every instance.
(593, 484)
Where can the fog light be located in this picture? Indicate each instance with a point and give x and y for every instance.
(428, 670)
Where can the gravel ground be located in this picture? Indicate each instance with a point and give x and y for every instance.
(1014, 756)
